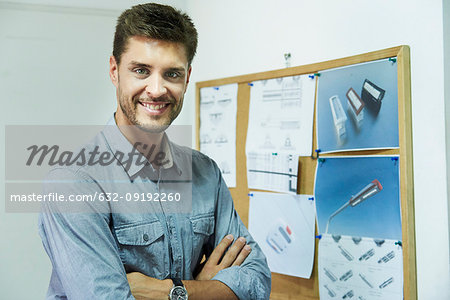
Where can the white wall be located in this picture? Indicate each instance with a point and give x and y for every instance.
(446, 18)
(239, 37)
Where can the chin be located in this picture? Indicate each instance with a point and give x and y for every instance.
(153, 128)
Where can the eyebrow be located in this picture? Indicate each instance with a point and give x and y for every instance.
(142, 65)
(138, 64)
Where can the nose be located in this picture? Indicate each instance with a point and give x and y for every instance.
(155, 86)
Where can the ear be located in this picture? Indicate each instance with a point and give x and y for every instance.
(113, 71)
(187, 78)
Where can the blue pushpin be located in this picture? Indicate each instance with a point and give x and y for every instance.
(250, 84)
(311, 198)
(311, 76)
(216, 88)
(250, 195)
(318, 236)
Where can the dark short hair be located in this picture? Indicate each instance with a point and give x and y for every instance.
(155, 21)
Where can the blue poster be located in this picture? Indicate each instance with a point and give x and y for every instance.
(359, 197)
(357, 107)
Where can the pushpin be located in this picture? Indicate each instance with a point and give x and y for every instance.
(392, 59)
(317, 154)
(250, 84)
(318, 236)
(216, 88)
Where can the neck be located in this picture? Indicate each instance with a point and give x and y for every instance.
(147, 143)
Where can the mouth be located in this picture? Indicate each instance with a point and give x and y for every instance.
(154, 108)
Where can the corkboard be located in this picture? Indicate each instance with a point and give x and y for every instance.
(288, 287)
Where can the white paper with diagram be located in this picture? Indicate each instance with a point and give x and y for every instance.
(218, 106)
(360, 268)
(280, 124)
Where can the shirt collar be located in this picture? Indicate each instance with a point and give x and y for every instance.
(118, 143)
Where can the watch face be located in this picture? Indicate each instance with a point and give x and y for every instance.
(178, 293)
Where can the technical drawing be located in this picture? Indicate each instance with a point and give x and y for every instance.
(347, 275)
(221, 139)
(367, 255)
(225, 168)
(331, 293)
(386, 283)
(205, 139)
(215, 118)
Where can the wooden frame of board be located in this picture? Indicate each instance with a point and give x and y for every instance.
(288, 287)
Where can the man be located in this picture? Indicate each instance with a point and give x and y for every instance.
(148, 249)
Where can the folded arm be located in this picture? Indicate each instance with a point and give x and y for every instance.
(252, 278)
(225, 255)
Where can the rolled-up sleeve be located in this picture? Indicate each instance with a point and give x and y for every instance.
(81, 246)
(252, 279)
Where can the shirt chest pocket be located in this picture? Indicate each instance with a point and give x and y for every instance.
(143, 249)
(203, 228)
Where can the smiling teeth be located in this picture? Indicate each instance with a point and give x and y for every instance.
(153, 107)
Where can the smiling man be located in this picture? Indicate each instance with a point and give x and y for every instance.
(149, 249)
(150, 83)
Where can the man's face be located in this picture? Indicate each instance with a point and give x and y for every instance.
(150, 83)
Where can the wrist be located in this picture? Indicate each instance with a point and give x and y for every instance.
(157, 289)
(166, 286)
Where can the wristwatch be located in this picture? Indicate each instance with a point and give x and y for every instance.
(178, 291)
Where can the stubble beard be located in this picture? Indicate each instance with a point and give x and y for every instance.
(129, 109)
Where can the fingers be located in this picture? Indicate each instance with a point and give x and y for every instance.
(218, 252)
(234, 251)
(242, 255)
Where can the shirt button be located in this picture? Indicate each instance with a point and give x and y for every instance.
(145, 237)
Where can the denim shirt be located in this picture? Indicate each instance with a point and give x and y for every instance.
(93, 244)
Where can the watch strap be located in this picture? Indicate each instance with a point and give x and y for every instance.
(177, 282)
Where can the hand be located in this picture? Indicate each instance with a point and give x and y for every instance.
(144, 287)
(235, 256)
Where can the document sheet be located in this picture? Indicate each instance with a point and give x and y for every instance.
(360, 268)
(283, 226)
(280, 126)
(218, 106)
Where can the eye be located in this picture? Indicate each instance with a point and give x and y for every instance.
(173, 74)
(141, 71)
